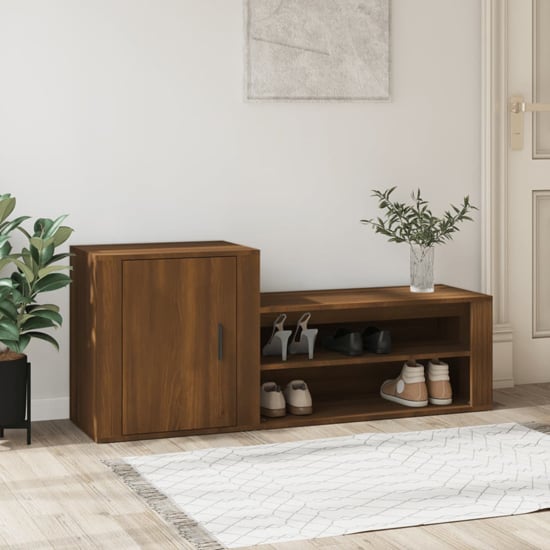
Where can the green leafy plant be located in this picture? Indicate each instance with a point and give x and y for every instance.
(414, 223)
(35, 269)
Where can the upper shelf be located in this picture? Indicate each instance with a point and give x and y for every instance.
(328, 358)
(358, 298)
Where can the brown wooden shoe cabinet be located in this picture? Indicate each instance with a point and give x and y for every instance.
(166, 340)
(451, 324)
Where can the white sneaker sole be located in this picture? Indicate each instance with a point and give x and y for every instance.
(406, 402)
(435, 401)
(298, 411)
(272, 413)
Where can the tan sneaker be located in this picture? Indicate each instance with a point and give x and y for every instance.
(272, 400)
(409, 388)
(439, 384)
(298, 398)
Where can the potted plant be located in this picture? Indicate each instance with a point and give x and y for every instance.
(415, 224)
(24, 276)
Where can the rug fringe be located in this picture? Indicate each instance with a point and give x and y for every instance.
(187, 527)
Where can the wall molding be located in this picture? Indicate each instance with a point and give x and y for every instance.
(502, 333)
(494, 180)
(494, 158)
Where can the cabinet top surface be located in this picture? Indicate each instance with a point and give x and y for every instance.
(356, 298)
(195, 248)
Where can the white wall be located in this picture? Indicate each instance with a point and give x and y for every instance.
(129, 116)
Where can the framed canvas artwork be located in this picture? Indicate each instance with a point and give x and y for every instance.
(317, 50)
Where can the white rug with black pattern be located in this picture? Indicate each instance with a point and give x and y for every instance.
(243, 496)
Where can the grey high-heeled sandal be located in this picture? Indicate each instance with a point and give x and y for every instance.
(278, 341)
(303, 339)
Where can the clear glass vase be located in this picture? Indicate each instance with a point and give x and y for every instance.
(422, 268)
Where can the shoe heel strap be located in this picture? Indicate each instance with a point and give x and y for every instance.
(303, 321)
(279, 323)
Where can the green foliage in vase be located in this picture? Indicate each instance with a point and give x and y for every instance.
(414, 223)
(35, 269)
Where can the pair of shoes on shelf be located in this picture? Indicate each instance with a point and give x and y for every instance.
(296, 398)
(345, 341)
(410, 388)
(353, 343)
(301, 340)
(376, 340)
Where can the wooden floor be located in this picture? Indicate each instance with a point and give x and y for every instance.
(58, 494)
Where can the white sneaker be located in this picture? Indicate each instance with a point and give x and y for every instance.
(272, 400)
(298, 398)
(439, 384)
(409, 388)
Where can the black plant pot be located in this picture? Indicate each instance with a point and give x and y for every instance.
(15, 395)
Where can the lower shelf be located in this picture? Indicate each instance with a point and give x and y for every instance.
(369, 407)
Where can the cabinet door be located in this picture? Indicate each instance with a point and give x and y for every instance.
(178, 344)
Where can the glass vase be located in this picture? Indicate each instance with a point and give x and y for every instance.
(422, 268)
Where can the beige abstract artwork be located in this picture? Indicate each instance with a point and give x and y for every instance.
(317, 49)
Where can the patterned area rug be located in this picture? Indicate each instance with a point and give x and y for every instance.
(243, 496)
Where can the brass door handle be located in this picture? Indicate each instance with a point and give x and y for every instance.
(517, 109)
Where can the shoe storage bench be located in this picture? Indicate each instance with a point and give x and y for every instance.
(451, 324)
(166, 340)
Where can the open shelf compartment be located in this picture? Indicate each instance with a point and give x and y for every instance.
(451, 324)
(369, 407)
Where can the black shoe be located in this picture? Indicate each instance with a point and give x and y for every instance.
(345, 341)
(376, 340)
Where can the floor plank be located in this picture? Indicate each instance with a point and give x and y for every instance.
(57, 493)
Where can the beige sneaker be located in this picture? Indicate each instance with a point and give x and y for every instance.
(409, 388)
(439, 385)
(298, 398)
(272, 400)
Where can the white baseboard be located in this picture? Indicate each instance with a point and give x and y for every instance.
(503, 372)
(50, 409)
(503, 383)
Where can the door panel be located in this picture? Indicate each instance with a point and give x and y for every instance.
(179, 344)
(541, 264)
(528, 184)
(541, 77)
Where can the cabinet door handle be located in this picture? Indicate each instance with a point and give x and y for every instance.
(220, 341)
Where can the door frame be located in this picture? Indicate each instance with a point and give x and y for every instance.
(494, 182)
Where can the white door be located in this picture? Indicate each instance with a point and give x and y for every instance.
(529, 189)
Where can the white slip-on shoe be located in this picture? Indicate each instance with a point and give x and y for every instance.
(409, 388)
(439, 384)
(298, 398)
(272, 400)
